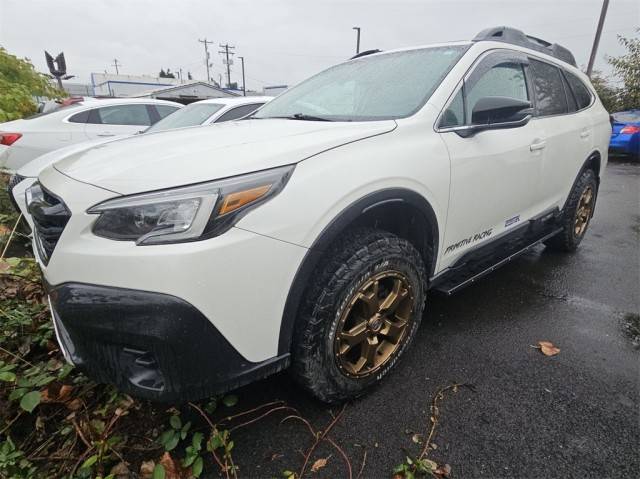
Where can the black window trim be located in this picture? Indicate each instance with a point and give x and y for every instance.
(517, 56)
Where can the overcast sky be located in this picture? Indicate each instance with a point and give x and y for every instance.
(283, 41)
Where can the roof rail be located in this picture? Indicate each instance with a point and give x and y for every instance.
(365, 53)
(517, 37)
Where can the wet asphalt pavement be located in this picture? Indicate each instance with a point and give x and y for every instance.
(576, 414)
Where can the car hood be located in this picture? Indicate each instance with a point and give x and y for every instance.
(181, 157)
(33, 168)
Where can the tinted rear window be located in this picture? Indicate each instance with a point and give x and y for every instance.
(190, 115)
(580, 91)
(549, 91)
(238, 112)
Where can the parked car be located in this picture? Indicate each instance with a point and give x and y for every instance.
(24, 140)
(199, 113)
(625, 137)
(215, 110)
(182, 264)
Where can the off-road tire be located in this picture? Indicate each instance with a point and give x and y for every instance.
(360, 254)
(567, 240)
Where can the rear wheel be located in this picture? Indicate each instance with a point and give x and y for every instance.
(577, 214)
(360, 314)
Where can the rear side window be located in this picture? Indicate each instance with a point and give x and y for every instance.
(82, 117)
(580, 91)
(238, 112)
(121, 115)
(547, 83)
(165, 110)
(571, 99)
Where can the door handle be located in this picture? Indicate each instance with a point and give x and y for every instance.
(585, 134)
(537, 145)
(106, 134)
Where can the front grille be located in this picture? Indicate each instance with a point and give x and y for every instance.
(13, 181)
(50, 215)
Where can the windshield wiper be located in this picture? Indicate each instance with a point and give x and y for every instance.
(296, 116)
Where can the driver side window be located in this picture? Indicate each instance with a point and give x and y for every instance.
(504, 79)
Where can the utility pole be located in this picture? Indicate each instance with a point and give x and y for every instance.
(206, 55)
(244, 90)
(596, 40)
(115, 64)
(226, 52)
(357, 29)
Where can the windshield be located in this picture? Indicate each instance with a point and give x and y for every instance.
(190, 115)
(379, 87)
(627, 116)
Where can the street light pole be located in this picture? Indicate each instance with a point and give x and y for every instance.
(357, 29)
(244, 89)
(596, 40)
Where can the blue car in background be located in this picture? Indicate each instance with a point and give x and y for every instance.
(625, 137)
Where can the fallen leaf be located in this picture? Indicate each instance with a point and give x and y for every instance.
(417, 438)
(74, 405)
(443, 470)
(146, 469)
(120, 471)
(172, 470)
(434, 446)
(65, 392)
(319, 464)
(547, 348)
(432, 465)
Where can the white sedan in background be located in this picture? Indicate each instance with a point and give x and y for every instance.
(21, 141)
(215, 110)
(204, 112)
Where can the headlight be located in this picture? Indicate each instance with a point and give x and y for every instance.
(187, 213)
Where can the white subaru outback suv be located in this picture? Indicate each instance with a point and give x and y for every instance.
(190, 262)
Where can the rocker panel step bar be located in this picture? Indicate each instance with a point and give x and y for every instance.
(455, 284)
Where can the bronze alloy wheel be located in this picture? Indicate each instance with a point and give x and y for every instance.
(374, 324)
(583, 213)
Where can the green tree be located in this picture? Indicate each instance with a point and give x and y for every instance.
(19, 83)
(606, 92)
(627, 67)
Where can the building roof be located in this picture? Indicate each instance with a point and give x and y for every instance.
(175, 89)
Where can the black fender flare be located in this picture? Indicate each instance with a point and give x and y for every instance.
(331, 232)
(594, 157)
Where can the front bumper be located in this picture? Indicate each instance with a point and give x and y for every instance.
(151, 345)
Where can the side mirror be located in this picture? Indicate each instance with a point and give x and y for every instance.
(494, 112)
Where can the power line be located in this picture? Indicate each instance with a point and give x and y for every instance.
(115, 64)
(226, 52)
(206, 55)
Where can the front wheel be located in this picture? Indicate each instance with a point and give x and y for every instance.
(360, 314)
(577, 214)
